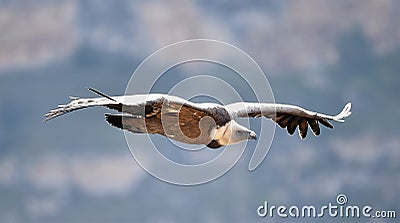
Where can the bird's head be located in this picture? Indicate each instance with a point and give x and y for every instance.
(243, 134)
(237, 133)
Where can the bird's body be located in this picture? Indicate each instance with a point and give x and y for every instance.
(198, 123)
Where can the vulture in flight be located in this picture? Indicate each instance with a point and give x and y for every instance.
(210, 124)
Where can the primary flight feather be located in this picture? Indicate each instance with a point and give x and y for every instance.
(198, 123)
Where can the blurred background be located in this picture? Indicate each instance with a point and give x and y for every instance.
(318, 54)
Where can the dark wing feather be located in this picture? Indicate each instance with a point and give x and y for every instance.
(326, 123)
(291, 127)
(314, 126)
(283, 121)
(303, 128)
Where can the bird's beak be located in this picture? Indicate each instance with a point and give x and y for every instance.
(252, 135)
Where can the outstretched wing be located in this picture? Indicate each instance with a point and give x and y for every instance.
(289, 116)
(171, 116)
(80, 103)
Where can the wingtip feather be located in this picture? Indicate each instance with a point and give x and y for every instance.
(100, 93)
(344, 113)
